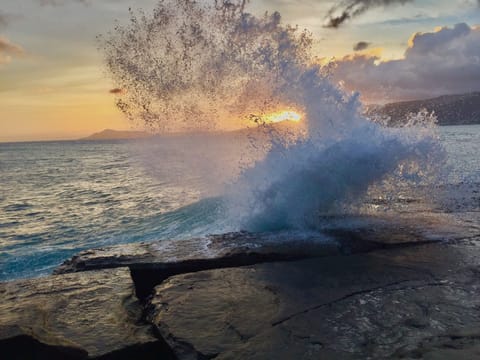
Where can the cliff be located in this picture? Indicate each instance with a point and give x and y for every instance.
(450, 109)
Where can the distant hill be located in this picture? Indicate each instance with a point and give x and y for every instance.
(450, 109)
(109, 134)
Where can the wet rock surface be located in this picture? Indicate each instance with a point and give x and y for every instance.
(362, 234)
(251, 248)
(74, 316)
(152, 263)
(409, 303)
(379, 289)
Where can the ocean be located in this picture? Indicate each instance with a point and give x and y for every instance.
(58, 198)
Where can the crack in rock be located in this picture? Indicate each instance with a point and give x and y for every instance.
(356, 293)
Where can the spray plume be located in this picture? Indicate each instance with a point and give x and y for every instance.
(211, 65)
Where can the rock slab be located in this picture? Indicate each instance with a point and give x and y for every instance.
(409, 303)
(73, 316)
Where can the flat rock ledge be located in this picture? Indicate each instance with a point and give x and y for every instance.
(368, 293)
(410, 303)
(243, 248)
(74, 316)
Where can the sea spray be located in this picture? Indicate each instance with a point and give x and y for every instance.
(210, 65)
(204, 65)
(293, 186)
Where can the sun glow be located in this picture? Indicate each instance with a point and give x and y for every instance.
(282, 116)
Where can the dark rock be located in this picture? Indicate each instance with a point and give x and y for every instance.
(340, 235)
(151, 263)
(235, 248)
(73, 316)
(401, 302)
(463, 344)
(461, 109)
(380, 288)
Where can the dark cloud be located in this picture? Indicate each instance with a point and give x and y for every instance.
(336, 21)
(116, 91)
(4, 19)
(8, 50)
(436, 63)
(361, 45)
(348, 9)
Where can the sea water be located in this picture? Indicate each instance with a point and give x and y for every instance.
(58, 198)
(211, 67)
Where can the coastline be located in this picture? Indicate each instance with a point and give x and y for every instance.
(255, 296)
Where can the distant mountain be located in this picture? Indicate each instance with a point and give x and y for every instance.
(450, 109)
(109, 134)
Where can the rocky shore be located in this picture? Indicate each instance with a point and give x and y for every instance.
(377, 292)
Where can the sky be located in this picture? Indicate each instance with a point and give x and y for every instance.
(54, 84)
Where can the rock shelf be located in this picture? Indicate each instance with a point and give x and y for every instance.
(342, 294)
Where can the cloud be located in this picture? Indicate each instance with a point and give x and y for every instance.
(61, 2)
(348, 9)
(4, 19)
(361, 45)
(445, 61)
(8, 50)
(116, 91)
(7, 47)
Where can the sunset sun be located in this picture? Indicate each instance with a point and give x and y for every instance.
(286, 115)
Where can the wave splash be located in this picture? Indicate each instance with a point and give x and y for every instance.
(202, 66)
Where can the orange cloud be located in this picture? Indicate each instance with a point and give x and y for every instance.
(8, 50)
(374, 54)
